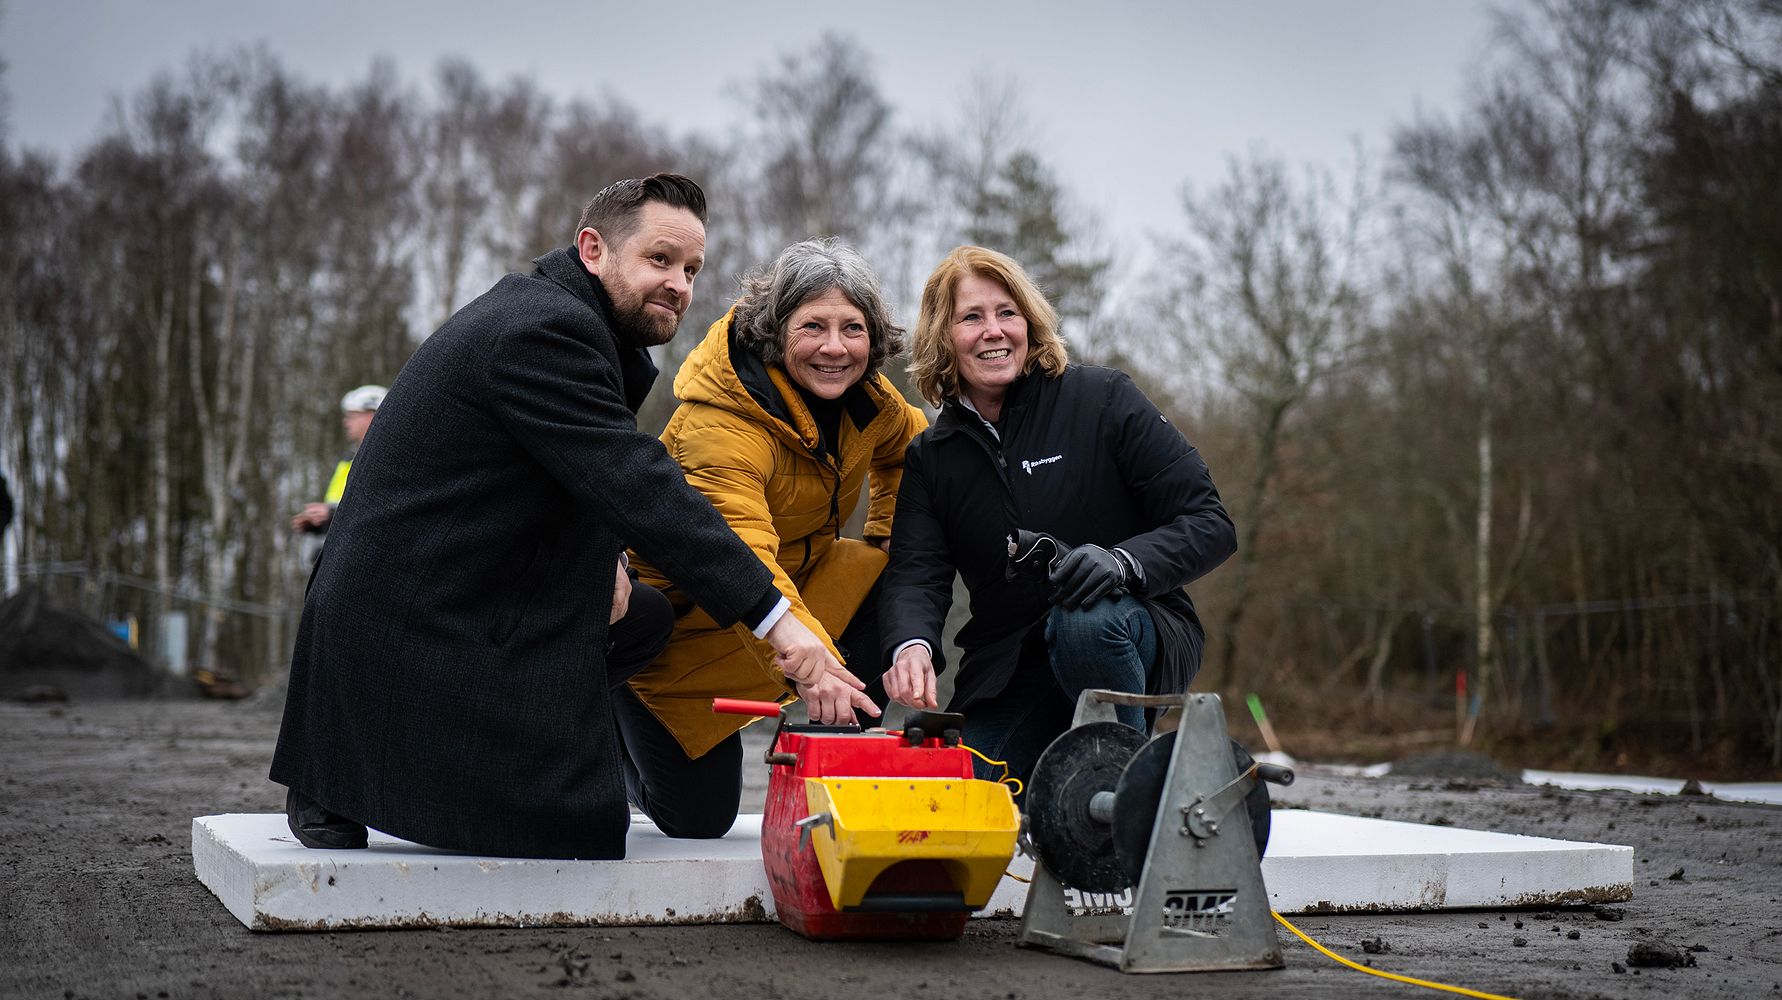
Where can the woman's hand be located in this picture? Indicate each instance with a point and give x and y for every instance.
(910, 681)
(831, 701)
(803, 656)
(1086, 575)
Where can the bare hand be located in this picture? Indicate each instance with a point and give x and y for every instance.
(313, 517)
(831, 702)
(621, 594)
(910, 681)
(803, 656)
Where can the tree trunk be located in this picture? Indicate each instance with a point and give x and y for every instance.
(162, 465)
(1484, 654)
(1268, 447)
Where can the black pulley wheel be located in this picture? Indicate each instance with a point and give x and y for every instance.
(1140, 790)
(1076, 847)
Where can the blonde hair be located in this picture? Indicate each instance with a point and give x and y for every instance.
(934, 366)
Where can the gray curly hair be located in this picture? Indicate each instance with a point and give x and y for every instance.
(804, 271)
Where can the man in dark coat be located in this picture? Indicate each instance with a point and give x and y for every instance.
(450, 683)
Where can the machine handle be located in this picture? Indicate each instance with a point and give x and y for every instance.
(809, 823)
(1275, 774)
(740, 706)
(1130, 700)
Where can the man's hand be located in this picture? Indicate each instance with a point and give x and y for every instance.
(910, 681)
(831, 702)
(313, 517)
(621, 594)
(1088, 574)
(803, 656)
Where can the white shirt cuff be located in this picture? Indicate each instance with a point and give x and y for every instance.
(912, 642)
(773, 618)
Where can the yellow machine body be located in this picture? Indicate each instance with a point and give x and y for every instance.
(967, 825)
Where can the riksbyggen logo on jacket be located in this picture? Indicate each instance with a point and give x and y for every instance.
(1028, 466)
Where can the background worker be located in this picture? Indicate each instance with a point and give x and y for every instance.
(357, 409)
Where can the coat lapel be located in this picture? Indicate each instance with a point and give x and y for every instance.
(636, 370)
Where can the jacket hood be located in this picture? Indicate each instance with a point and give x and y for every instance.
(722, 373)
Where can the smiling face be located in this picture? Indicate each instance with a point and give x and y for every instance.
(827, 343)
(649, 275)
(989, 341)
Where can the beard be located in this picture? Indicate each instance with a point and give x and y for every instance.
(633, 319)
(641, 327)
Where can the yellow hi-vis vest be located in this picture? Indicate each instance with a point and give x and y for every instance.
(337, 485)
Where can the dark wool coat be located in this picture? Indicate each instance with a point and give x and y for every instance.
(1084, 456)
(448, 684)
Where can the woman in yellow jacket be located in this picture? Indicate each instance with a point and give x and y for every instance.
(784, 417)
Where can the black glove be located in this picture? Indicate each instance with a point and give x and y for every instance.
(1088, 574)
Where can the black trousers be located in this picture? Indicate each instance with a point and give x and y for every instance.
(698, 799)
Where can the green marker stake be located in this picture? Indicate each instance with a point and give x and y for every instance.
(1261, 717)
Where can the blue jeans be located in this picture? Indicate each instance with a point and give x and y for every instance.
(1112, 645)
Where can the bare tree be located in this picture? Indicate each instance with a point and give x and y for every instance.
(822, 140)
(454, 196)
(1275, 290)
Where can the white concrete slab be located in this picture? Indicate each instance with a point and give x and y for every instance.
(1325, 862)
(1317, 862)
(270, 882)
(1765, 792)
(1768, 792)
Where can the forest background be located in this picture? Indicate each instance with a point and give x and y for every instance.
(1499, 406)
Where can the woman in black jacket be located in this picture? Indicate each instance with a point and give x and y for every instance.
(1025, 440)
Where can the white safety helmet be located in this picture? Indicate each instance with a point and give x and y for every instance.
(366, 397)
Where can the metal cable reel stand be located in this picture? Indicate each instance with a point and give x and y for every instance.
(1174, 826)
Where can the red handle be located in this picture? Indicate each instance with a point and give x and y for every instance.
(739, 706)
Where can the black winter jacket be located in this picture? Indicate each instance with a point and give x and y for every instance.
(448, 684)
(1084, 456)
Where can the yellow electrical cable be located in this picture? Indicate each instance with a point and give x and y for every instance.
(1006, 779)
(1463, 991)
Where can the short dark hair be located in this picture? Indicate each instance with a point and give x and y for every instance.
(613, 212)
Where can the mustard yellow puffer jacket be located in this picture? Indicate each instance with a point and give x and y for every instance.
(747, 441)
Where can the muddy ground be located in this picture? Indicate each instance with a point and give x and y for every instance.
(98, 899)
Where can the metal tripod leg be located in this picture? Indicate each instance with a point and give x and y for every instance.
(1049, 923)
(1201, 904)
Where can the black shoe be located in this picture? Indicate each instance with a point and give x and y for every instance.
(317, 828)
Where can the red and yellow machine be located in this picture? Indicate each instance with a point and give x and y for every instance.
(879, 835)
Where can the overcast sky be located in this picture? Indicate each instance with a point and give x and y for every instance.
(1127, 100)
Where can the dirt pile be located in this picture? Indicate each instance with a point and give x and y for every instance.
(1459, 767)
(46, 649)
